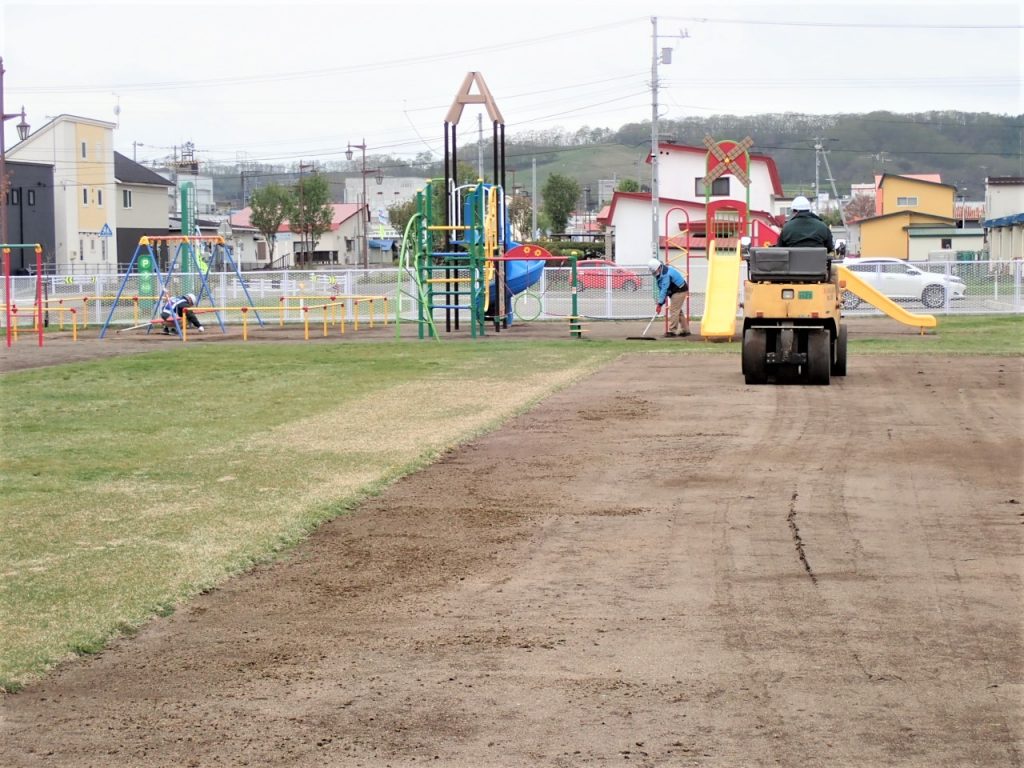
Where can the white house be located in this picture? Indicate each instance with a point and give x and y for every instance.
(391, 191)
(81, 151)
(1004, 222)
(339, 245)
(681, 205)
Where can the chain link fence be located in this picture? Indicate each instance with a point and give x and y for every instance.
(292, 296)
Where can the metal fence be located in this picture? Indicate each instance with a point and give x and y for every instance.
(290, 296)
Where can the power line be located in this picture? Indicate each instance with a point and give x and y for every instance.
(326, 72)
(842, 24)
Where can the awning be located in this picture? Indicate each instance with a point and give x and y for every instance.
(1005, 221)
(380, 244)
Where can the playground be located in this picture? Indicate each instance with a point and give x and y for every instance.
(653, 566)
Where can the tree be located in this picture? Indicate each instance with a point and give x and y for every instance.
(860, 207)
(270, 205)
(400, 214)
(520, 215)
(628, 185)
(560, 195)
(312, 212)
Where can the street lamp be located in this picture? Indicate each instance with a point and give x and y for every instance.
(378, 176)
(23, 129)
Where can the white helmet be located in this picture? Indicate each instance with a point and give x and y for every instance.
(801, 203)
(654, 265)
(191, 299)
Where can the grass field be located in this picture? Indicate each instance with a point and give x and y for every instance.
(132, 483)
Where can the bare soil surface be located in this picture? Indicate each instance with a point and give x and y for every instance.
(659, 566)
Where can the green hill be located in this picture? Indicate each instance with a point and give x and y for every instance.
(964, 147)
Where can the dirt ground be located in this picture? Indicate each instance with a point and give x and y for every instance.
(659, 566)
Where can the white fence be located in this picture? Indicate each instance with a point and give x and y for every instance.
(281, 296)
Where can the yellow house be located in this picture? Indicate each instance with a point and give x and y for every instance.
(906, 203)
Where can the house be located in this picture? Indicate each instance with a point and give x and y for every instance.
(1004, 227)
(30, 216)
(80, 150)
(141, 205)
(681, 206)
(903, 204)
(392, 190)
(340, 245)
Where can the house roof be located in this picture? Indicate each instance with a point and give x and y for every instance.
(773, 171)
(944, 232)
(919, 214)
(927, 178)
(342, 212)
(607, 214)
(128, 171)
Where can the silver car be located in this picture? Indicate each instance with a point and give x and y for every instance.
(901, 281)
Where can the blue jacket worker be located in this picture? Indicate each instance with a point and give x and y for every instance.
(672, 288)
(179, 305)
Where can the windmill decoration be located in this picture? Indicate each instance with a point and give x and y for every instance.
(728, 157)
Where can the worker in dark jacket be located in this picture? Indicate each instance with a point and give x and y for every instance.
(672, 289)
(804, 229)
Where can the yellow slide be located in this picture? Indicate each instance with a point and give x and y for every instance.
(879, 300)
(721, 296)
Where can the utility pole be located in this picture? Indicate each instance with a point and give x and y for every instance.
(817, 165)
(654, 137)
(302, 207)
(665, 57)
(480, 145)
(839, 203)
(533, 211)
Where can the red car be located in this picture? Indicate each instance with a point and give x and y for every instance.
(600, 273)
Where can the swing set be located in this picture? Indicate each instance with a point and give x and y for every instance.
(193, 273)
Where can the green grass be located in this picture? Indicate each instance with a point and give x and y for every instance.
(130, 484)
(956, 335)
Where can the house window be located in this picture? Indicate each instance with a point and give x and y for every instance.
(85, 196)
(906, 201)
(947, 243)
(30, 197)
(14, 197)
(99, 198)
(126, 198)
(85, 150)
(719, 187)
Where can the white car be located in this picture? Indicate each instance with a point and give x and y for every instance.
(901, 281)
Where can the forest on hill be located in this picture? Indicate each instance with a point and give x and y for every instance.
(963, 147)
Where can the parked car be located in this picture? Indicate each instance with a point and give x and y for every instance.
(901, 281)
(599, 273)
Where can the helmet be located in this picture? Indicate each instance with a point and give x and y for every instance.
(654, 265)
(801, 203)
(191, 299)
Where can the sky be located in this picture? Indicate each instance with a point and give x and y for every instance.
(286, 83)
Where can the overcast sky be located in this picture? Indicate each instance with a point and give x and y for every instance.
(282, 83)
